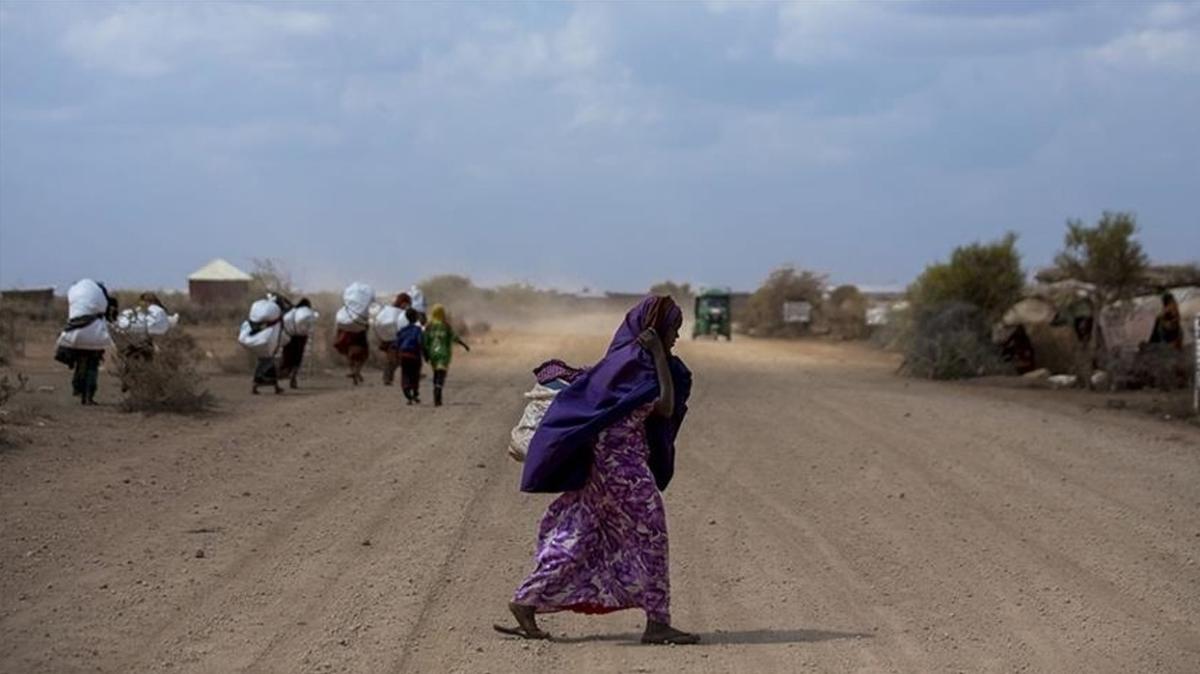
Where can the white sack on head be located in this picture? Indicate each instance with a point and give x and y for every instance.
(86, 298)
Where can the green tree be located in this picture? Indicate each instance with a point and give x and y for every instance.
(1107, 255)
(987, 276)
(1110, 258)
(954, 305)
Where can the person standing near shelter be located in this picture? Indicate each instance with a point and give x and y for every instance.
(410, 351)
(1168, 325)
(82, 342)
(608, 442)
(440, 339)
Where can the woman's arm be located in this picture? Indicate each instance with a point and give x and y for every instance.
(665, 405)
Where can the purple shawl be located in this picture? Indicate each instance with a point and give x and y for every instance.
(560, 453)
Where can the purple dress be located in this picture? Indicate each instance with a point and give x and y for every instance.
(603, 548)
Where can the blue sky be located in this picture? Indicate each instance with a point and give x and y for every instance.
(592, 145)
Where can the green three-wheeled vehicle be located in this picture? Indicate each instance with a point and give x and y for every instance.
(713, 315)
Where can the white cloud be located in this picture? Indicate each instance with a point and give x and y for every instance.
(1153, 47)
(148, 40)
(496, 60)
(814, 32)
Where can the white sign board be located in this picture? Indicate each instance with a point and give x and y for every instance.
(797, 312)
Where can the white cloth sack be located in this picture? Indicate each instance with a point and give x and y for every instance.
(540, 397)
(265, 311)
(387, 323)
(86, 298)
(300, 321)
(418, 299)
(355, 314)
(266, 342)
(358, 298)
(92, 337)
(153, 321)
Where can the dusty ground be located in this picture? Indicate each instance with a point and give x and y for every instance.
(826, 516)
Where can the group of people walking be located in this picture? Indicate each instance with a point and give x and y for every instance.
(277, 334)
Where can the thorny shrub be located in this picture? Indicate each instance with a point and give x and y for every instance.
(952, 342)
(162, 377)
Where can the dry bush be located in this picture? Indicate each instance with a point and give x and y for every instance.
(952, 341)
(9, 387)
(764, 311)
(846, 312)
(166, 382)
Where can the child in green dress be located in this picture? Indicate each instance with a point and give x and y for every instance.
(440, 339)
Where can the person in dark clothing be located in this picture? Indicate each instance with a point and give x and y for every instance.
(292, 354)
(1168, 326)
(410, 349)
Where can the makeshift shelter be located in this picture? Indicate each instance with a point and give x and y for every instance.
(219, 282)
(1128, 323)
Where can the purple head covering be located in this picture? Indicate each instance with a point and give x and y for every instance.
(560, 453)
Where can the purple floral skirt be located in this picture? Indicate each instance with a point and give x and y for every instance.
(603, 548)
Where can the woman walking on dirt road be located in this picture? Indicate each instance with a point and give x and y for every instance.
(608, 442)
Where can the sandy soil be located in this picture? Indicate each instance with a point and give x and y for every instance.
(826, 516)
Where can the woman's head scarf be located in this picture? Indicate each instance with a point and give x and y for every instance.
(560, 453)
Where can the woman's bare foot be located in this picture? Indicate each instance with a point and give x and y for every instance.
(662, 633)
(527, 627)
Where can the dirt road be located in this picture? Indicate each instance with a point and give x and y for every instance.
(826, 516)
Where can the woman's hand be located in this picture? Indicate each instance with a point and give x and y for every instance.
(650, 341)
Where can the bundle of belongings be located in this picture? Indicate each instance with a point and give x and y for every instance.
(262, 333)
(355, 314)
(550, 378)
(89, 311)
(300, 321)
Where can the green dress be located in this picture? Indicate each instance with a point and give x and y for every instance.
(439, 344)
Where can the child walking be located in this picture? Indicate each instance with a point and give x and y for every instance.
(410, 348)
(440, 339)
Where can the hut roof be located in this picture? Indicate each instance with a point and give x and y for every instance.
(219, 270)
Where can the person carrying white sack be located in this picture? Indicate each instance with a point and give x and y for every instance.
(386, 324)
(353, 319)
(263, 335)
(298, 323)
(141, 324)
(82, 342)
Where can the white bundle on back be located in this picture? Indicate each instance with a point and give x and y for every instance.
(418, 298)
(265, 311)
(266, 342)
(300, 321)
(158, 322)
(387, 323)
(86, 298)
(355, 314)
(153, 321)
(540, 397)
